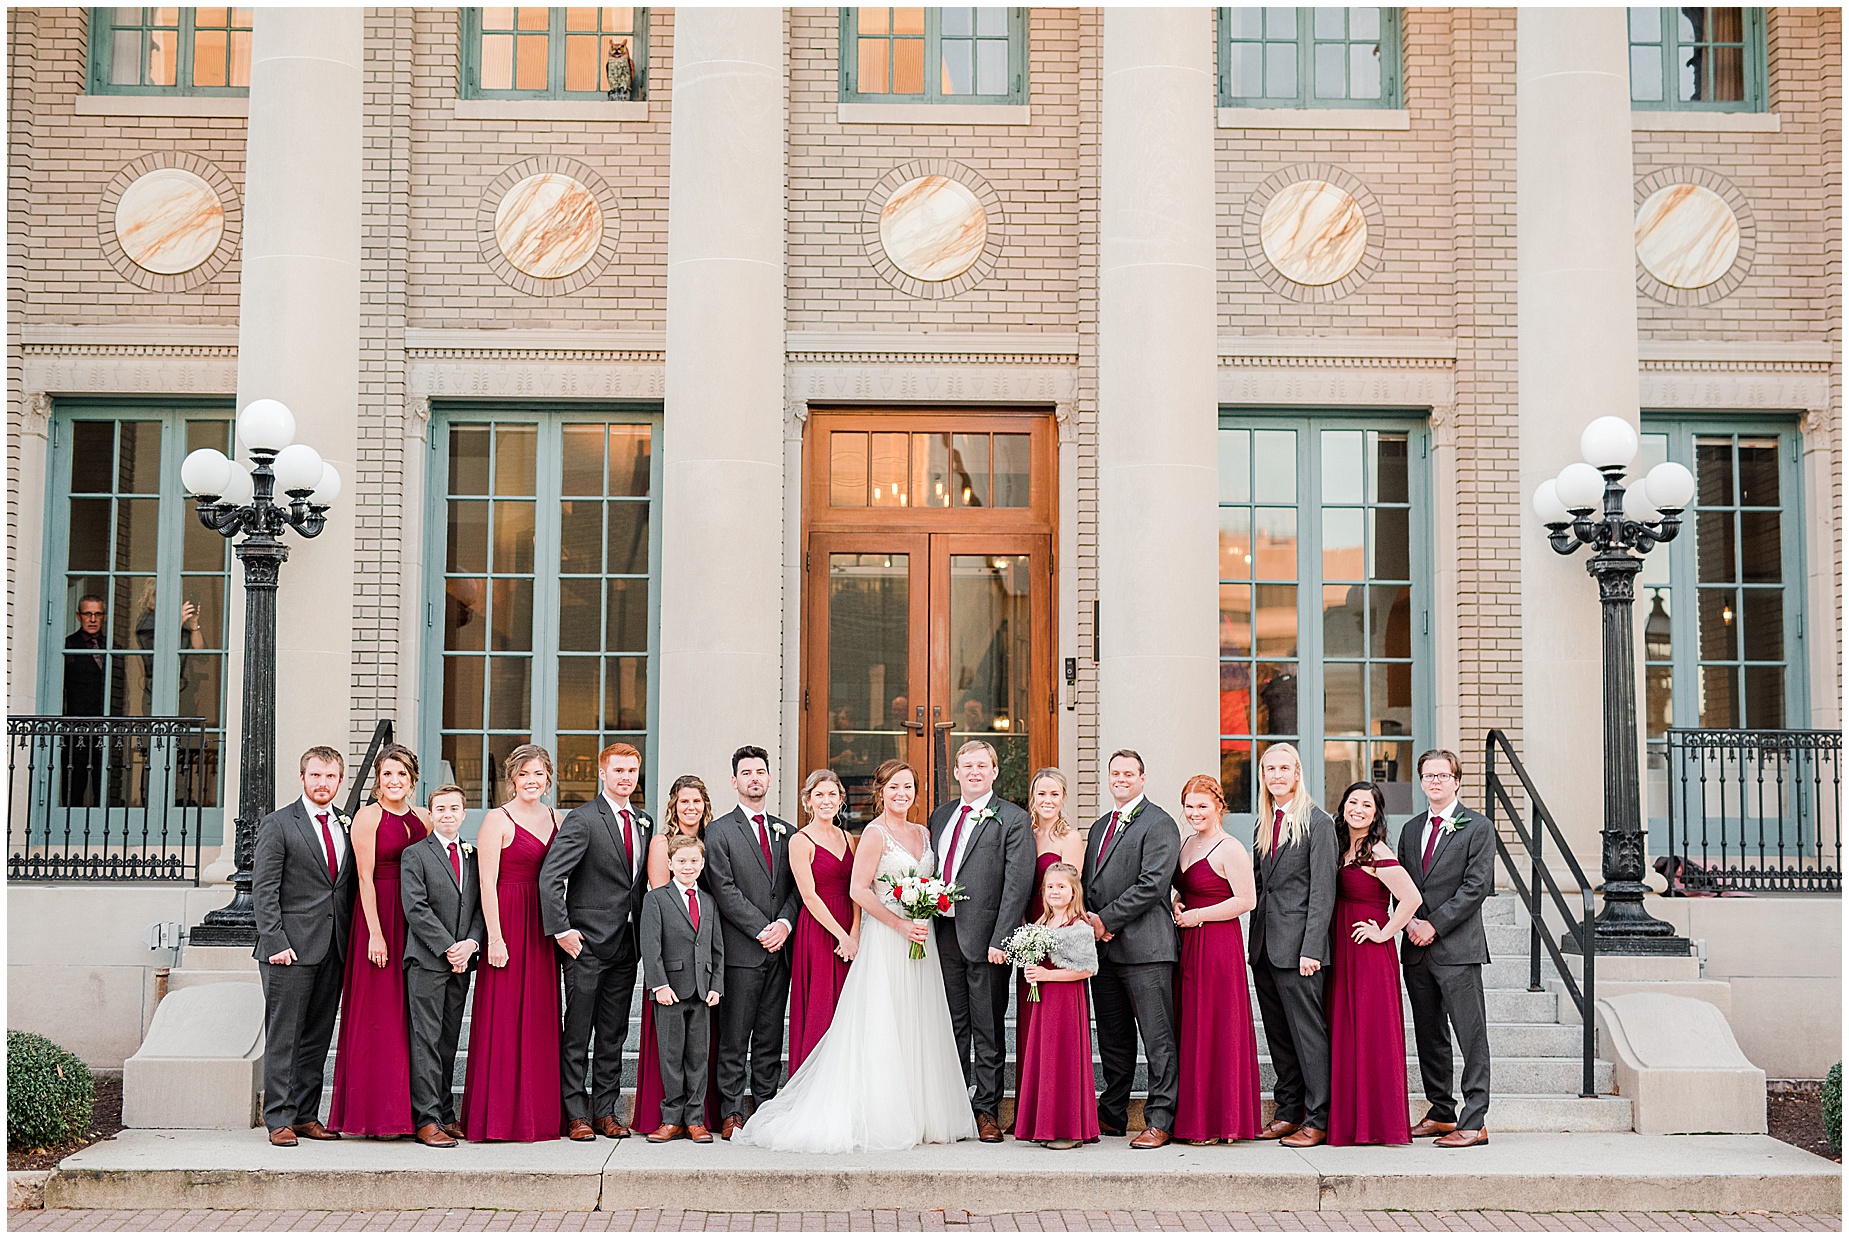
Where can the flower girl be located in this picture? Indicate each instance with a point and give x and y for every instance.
(1056, 1103)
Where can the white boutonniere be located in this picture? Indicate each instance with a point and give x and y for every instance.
(342, 818)
(642, 821)
(468, 849)
(983, 816)
(778, 828)
(1456, 822)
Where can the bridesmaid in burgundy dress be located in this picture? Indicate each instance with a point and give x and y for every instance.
(690, 809)
(1056, 1102)
(1367, 1034)
(372, 1068)
(1213, 1009)
(828, 927)
(511, 1088)
(1054, 840)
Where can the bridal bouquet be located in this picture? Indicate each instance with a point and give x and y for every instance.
(921, 898)
(1026, 947)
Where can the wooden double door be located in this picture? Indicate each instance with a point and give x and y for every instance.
(928, 608)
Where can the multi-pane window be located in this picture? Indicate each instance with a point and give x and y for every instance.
(542, 53)
(548, 558)
(170, 51)
(1697, 59)
(1321, 605)
(899, 470)
(138, 597)
(1309, 57)
(960, 55)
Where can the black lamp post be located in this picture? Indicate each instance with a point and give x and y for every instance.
(1634, 519)
(234, 500)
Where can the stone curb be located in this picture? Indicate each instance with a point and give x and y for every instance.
(25, 1189)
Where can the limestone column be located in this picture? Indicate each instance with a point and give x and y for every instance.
(1576, 309)
(298, 342)
(722, 599)
(1157, 413)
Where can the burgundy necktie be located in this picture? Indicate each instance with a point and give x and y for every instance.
(693, 908)
(956, 837)
(1277, 833)
(1431, 845)
(763, 840)
(327, 837)
(629, 839)
(455, 861)
(1110, 832)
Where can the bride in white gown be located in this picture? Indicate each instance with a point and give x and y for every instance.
(886, 1074)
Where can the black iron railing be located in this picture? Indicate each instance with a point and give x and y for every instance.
(108, 799)
(1533, 838)
(1755, 810)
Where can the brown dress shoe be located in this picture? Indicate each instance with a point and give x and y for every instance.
(1277, 1128)
(608, 1126)
(1151, 1138)
(580, 1129)
(454, 1131)
(728, 1125)
(698, 1134)
(1305, 1138)
(435, 1137)
(314, 1131)
(1432, 1127)
(1462, 1138)
(987, 1129)
(666, 1132)
(283, 1137)
(1106, 1129)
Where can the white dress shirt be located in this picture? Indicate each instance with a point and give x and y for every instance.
(1444, 814)
(333, 827)
(955, 863)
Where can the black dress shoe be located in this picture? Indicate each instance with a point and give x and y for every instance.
(1108, 1130)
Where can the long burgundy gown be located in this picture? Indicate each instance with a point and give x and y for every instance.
(1056, 1097)
(1219, 1097)
(816, 972)
(372, 1068)
(1367, 1038)
(1023, 1009)
(511, 1089)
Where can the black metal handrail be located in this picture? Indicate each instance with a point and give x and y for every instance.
(1532, 839)
(108, 799)
(1755, 809)
(356, 795)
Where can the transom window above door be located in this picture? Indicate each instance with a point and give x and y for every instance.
(936, 470)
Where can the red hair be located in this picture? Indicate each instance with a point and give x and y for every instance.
(1206, 785)
(618, 750)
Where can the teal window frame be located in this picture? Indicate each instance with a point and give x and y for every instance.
(471, 59)
(1668, 58)
(103, 35)
(849, 57)
(1306, 43)
(543, 709)
(1311, 659)
(176, 522)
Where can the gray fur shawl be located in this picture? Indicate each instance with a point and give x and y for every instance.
(1075, 947)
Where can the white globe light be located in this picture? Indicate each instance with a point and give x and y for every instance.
(1637, 505)
(1670, 486)
(266, 426)
(1580, 486)
(205, 472)
(329, 488)
(238, 490)
(1609, 441)
(1547, 505)
(297, 467)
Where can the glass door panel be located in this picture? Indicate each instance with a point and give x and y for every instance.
(869, 659)
(991, 658)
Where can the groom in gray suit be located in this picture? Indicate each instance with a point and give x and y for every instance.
(986, 845)
(301, 892)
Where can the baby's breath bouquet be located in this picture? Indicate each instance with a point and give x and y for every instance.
(1026, 947)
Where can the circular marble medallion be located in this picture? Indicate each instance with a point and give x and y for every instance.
(1687, 236)
(548, 225)
(933, 228)
(169, 221)
(1313, 232)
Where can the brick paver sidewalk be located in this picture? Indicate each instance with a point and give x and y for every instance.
(1068, 1220)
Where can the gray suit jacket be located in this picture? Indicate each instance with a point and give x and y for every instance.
(438, 910)
(749, 895)
(1462, 876)
(297, 906)
(1129, 886)
(997, 873)
(1296, 898)
(673, 954)
(590, 884)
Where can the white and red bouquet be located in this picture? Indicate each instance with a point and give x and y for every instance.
(922, 898)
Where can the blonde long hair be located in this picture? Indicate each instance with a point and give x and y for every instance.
(1063, 826)
(1071, 874)
(1296, 812)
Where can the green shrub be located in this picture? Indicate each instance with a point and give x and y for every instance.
(1833, 1107)
(49, 1092)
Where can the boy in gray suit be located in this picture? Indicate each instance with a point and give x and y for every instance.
(683, 968)
(443, 931)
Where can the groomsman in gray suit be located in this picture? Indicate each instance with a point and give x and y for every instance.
(986, 845)
(301, 891)
(441, 893)
(748, 872)
(1451, 854)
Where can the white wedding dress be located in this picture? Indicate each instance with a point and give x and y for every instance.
(886, 1074)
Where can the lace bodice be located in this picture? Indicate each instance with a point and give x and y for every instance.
(895, 861)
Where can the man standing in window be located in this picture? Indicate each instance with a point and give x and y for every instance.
(84, 678)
